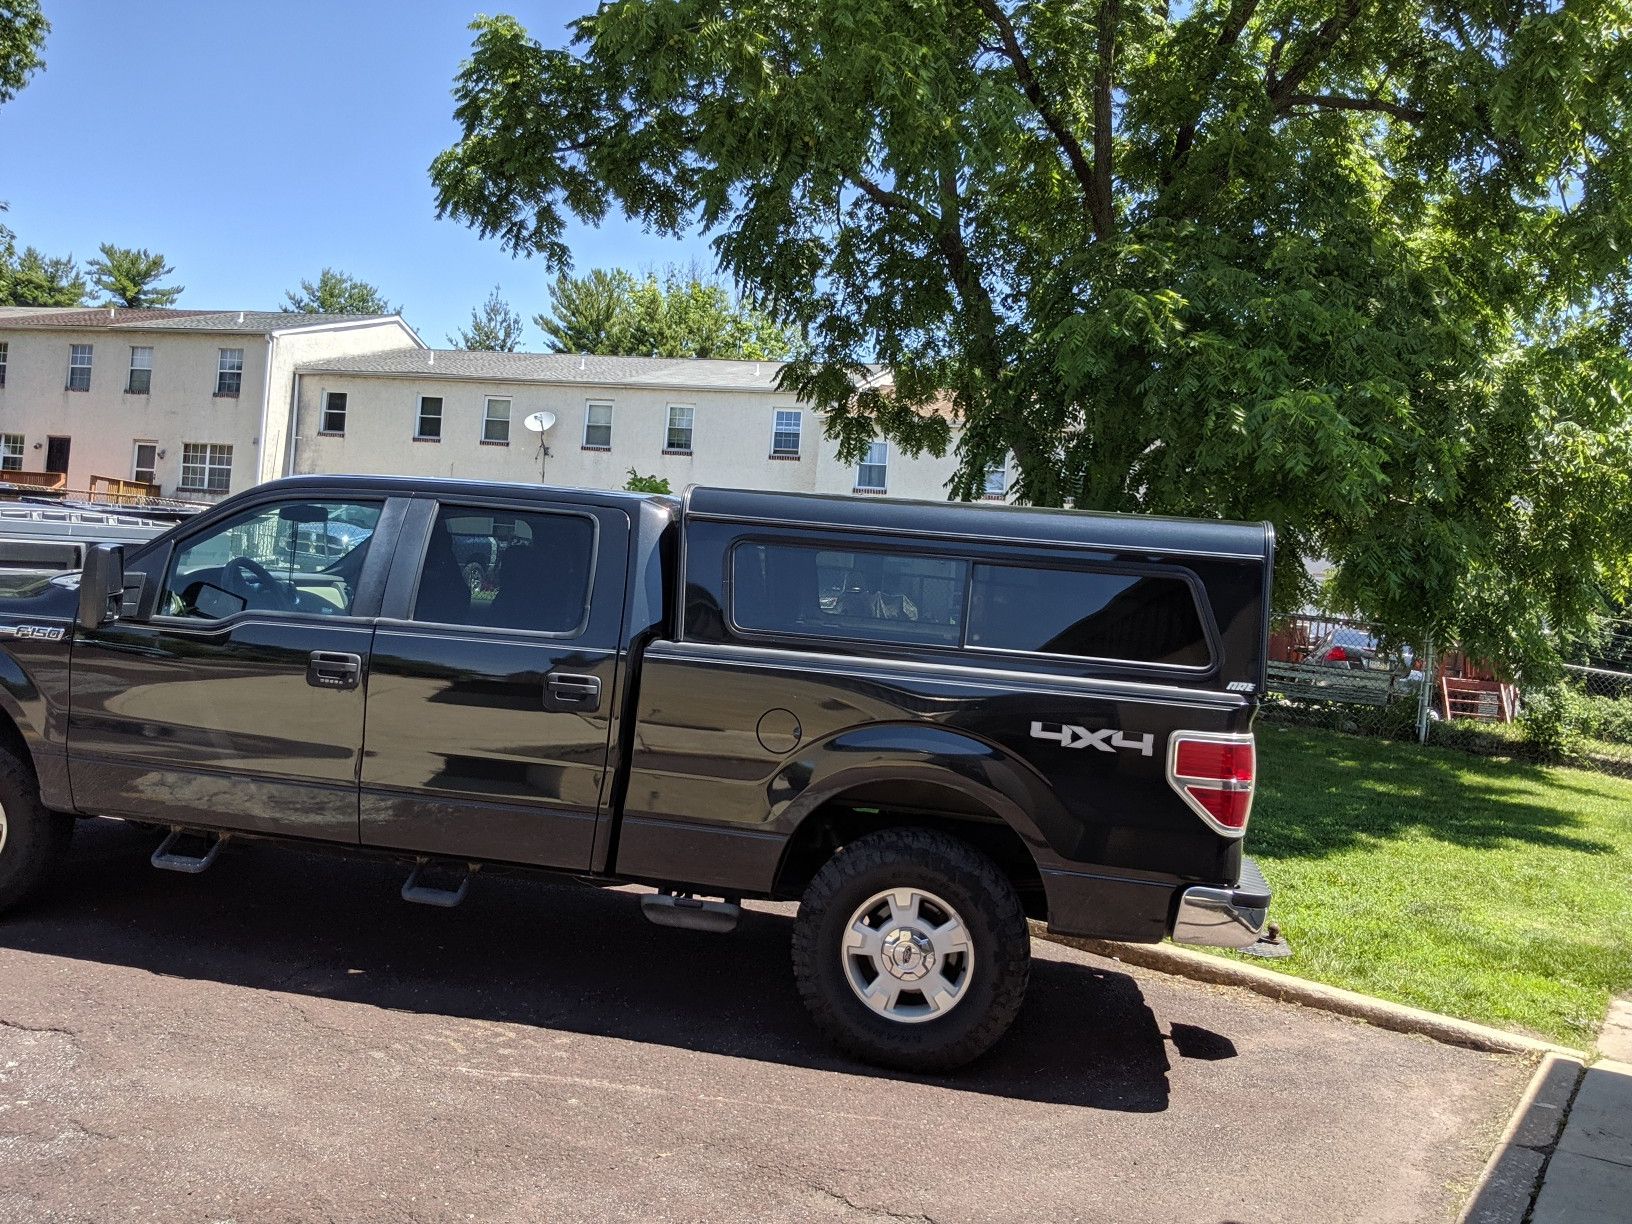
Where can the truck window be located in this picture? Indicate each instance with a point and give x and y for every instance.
(1139, 618)
(864, 594)
(507, 569)
(289, 556)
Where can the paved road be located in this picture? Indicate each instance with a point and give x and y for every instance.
(281, 1039)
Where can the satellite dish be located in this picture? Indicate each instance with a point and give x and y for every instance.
(538, 422)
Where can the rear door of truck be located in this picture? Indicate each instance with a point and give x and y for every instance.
(492, 696)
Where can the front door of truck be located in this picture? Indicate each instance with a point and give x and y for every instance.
(492, 697)
(236, 701)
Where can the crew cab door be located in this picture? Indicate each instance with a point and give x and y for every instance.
(494, 681)
(233, 698)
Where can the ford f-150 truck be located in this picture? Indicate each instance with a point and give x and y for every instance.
(924, 722)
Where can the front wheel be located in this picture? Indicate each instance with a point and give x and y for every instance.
(32, 838)
(911, 950)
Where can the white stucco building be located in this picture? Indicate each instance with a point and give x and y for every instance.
(195, 401)
(206, 403)
(690, 421)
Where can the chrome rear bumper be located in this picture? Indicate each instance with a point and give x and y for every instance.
(1224, 917)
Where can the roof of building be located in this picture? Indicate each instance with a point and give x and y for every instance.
(125, 318)
(559, 368)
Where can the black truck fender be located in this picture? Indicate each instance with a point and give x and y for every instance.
(904, 774)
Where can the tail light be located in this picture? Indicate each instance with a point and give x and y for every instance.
(1337, 655)
(1213, 773)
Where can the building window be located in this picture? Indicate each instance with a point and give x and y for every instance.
(79, 367)
(141, 371)
(334, 413)
(11, 452)
(785, 431)
(997, 481)
(873, 474)
(5, 353)
(206, 467)
(496, 422)
(428, 426)
(145, 462)
(229, 372)
(598, 427)
(678, 436)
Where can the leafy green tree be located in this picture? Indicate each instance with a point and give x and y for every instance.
(681, 314)
(127, 275)
(646, 484)
(22, 37)
(336, 293)
(583, 310)
(36, 279)
(1351, 266)
(493, 327)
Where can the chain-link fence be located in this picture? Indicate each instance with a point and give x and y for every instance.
(1342, 675)
(1345, 675)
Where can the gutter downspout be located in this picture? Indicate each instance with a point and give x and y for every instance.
(294, 425)
(266, 408)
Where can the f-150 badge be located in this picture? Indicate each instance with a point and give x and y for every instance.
(1106, 740)
(44, 633)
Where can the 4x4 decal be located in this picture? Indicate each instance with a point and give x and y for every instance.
(1107, 739)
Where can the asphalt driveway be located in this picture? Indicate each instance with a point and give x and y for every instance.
(282, 1039)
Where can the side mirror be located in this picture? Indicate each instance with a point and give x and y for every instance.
(101, 586)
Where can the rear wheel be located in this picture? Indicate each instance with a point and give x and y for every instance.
(911, 950)
(32, 838)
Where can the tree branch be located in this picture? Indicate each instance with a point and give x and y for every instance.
(1235, 21)
(1309, 58)
(1410, 114)
(894, 200)
(1058, 128)
(1110, 13)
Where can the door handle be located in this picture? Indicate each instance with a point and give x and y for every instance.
(331, 669)
(568, 691)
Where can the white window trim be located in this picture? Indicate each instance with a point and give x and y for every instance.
(323, 415)
(212, 456)
(7, 454)
(487, 415)
(223, 368)
(798, 432)
(691, 428)
(419, 418)
(867, 462)
(1000, 470)
(74, 364)
(589, 410)
(136, 458)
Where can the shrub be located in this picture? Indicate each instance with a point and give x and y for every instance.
(1554, 721)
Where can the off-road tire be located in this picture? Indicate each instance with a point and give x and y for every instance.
(991, 912)
(34, 838)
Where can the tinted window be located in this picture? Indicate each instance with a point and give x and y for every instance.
(507, 570)
(301, 556)
(881, 596)
(1135, 617)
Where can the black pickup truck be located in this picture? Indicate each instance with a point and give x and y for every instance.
(925, 722)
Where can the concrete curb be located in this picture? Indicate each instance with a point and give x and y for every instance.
(1201, 967)
(1512, 1178)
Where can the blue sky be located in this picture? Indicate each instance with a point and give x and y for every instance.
(255, 144)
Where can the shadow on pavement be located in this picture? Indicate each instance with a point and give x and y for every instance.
(558, 956)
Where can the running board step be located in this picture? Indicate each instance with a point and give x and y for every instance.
(167, 858)
(431, 894)
(678, 910)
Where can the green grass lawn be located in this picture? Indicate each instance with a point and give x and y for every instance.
(1493, 890)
